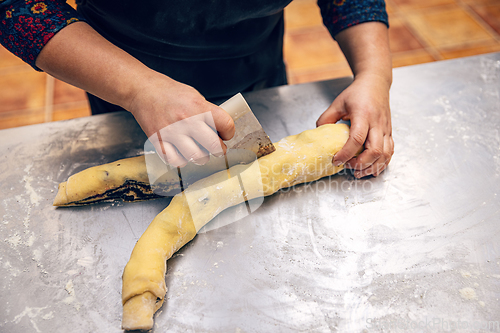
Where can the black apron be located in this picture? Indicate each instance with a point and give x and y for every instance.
(219, 47)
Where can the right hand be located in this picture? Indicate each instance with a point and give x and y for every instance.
(186, 126)
(80, 56)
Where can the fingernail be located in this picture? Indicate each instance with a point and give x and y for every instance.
(198, 161)
(337, 163)
(218, 154)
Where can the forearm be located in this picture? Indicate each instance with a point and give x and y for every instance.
(366, 48)
(366, 101)
(80, 56)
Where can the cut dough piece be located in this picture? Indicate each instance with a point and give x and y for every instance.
(138, 312)
(128, 180)
(300, 158)
(125, 179)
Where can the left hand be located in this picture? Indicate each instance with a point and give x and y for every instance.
(366, 104)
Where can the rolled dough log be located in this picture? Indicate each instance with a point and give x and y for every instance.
(299, 158)
(125, 179)
(128, 180)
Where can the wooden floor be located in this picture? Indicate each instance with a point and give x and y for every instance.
(421, 31)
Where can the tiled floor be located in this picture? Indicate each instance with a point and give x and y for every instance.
(421, 31)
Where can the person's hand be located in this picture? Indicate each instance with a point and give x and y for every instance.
(179, 122)
(366, 104)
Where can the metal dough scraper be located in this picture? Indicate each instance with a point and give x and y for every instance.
(248, 144)
(248, 133)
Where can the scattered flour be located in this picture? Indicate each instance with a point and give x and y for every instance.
(70, 288)
(30, 198)
(466, 274)
(436, 119)
(37, 255)
(34, 197)
(48, 316)
(14, 240)
(85, 261)
(468, 293)
(31, 240)
(71, 299)
(31, 313)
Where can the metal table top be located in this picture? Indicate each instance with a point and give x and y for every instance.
(415, 249)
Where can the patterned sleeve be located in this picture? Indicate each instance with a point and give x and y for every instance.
(341, 14)
(27, 25)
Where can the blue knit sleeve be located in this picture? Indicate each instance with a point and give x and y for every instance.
(27, 25)
(341, 14)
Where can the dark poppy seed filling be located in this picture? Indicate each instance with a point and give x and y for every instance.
(130, 191)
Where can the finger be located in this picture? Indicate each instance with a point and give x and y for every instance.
(363, 173)
(330, 116)
(170, 155)
(375, 169)
(378, 166)
(223, 122)
(209, 139)
(388, 152)
(357, 137)
(190, 150)
(374, 149)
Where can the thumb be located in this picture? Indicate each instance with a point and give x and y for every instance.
(224, 124)
(333, 114)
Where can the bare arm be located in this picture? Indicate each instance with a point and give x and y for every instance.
(366, 101)
(80, 56)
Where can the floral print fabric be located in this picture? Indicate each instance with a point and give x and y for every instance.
(341, 14)
(26, 26)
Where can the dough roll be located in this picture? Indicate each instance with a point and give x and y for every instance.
(125, 179)
(299, 158)
(129, 180)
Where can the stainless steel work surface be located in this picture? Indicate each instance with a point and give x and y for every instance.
(414, 250)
